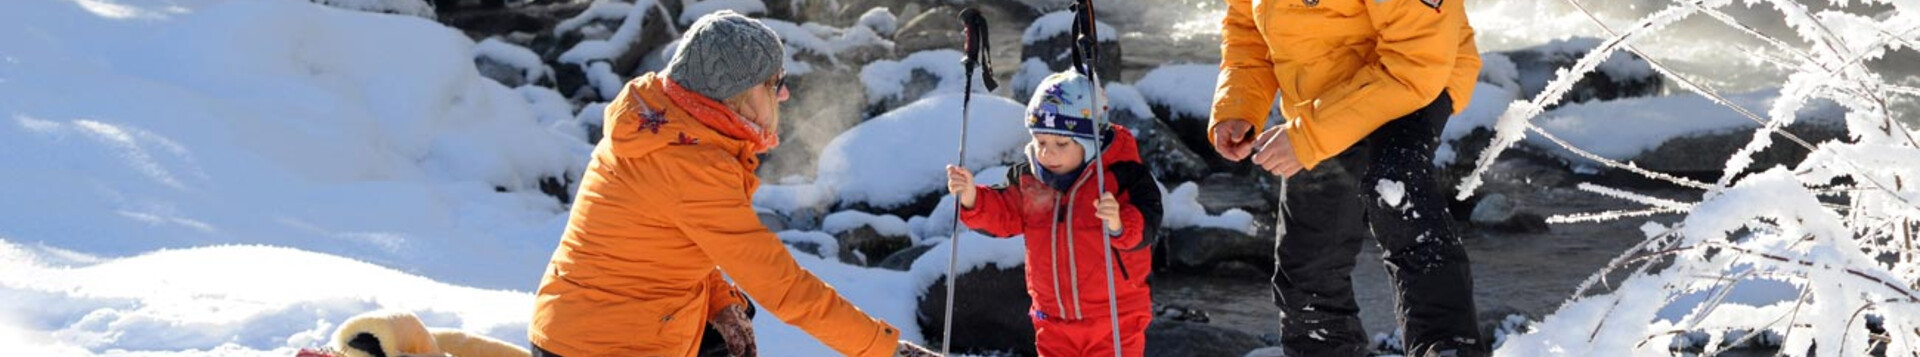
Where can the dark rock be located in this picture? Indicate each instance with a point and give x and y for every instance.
(1181, 314)
(870, 244)
(937, 28)
(1205, 246)
(995, 306)
(1254, 192)
(920, 205)
(1624, 75)
(483, 23)
(903, 259)
(773, 221)
(1171, 160)
(1704, 156)
(1178, 339)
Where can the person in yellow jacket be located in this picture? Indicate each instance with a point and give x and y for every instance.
(665, 209)
(1370, 83)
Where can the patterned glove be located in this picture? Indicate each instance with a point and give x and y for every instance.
(737, 329)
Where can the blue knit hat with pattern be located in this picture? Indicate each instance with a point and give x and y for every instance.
(1063, 105)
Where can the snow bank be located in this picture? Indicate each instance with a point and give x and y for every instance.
(886, 79)
(195, 300)
(1185, 89)
(355, 134)
(1061, 23)
(896, 157)
(416, 8)
(1622, 129)
(694, 11)
(1182, 209)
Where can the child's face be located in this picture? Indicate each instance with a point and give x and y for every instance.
(1058, 154)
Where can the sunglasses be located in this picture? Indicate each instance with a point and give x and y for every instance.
(779, 83)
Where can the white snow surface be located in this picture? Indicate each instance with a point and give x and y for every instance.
(1181, 209)
(880, 20)
(124, 137)
(843, 221)
(1060, 23)
(1623, 129)
(1185, 89)
(695, 10)
(885, 79)
(896, 157)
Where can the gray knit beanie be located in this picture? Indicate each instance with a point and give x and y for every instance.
(724, 54)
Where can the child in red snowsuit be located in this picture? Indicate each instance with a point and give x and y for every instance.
(1054, 201)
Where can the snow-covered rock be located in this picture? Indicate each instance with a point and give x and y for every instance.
(937, 28)
(1623, 75)
(1161, 149)
(510, 64)
(880, 20)
(813, 46)
(896, 163)
(605, 44)
(991, 303)
(1684, 133)
(892, 84)
(1194, 238)
(1050, 39)
(866, 238)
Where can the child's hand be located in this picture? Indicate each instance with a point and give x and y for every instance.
(1108, 210)
(960, 183)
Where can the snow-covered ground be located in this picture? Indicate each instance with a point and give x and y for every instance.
(233, 177)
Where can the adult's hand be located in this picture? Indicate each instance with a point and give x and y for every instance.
(1275, 153)
(1231, 141)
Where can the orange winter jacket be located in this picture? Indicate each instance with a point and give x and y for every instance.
(663, 209)
(1342, 67)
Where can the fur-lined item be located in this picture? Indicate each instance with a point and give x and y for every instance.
(388, 333)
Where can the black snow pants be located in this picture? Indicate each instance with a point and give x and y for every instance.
(1396, 201)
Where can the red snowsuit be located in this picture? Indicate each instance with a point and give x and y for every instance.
(1065, 273)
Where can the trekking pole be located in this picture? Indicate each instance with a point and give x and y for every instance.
(976, 54)
(1086, 34)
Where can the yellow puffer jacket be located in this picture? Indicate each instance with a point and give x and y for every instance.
(1343, 67)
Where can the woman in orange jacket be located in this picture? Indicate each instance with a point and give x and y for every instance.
(665, 208)
(1377, 78)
